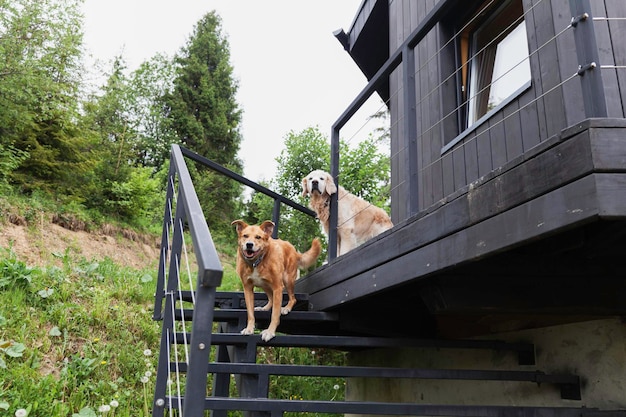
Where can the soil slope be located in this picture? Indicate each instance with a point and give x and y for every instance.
(38, 245)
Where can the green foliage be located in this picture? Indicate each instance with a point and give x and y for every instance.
(218, 196)
(10, 349)
(39, 84)
(10, 159)
(135, 198)
(304, 152)
(149, 85)
(83, 346)
(13, 272)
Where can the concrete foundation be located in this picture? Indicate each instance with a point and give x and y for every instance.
(593, 350)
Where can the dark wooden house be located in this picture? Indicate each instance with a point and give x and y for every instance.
(508, 155)
(508, 195)
(509, 211)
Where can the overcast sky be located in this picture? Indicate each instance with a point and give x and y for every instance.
(292, 72)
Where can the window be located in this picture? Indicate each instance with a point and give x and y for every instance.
(494, 56)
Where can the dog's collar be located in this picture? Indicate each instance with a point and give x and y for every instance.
(256, 262)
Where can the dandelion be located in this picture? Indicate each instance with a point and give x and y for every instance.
(312, 352)
(21, 413)
(104, 408)
(147, 352)
(336, 387)
(144, 380)
(114, 404)
(96, 339)
(103, 362)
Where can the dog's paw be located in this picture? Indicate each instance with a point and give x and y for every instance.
(266, 335)
(284, 311)
(258, 308)
(247, 331)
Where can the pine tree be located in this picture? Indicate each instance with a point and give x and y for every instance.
(202, 107)
(203, 112)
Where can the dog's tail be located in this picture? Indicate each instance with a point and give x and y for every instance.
(309, 257)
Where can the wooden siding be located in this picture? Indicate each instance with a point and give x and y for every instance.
(361, 18)
(551, 103)
(612, 34)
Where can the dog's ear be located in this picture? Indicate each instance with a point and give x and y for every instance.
(305, 187)
(239, 225)
(268, 227)
(330, 187)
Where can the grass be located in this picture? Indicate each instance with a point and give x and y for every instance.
(73, 339)
(76, 339)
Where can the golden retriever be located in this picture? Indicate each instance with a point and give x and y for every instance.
(358, 220)
(270, 264)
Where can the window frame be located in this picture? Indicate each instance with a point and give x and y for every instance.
(463, 48)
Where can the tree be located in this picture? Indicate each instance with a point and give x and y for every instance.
(39, 89)
(205, 116)
(202, 107)
(108, 117)
(150, 84)
(363, 169)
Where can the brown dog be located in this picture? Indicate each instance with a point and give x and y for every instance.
(357, 220)
(270, 264)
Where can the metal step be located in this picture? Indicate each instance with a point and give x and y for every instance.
(235, 299)
(525, 351)
(276, 407)
(568, 384)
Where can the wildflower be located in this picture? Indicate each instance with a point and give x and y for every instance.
(104, 408)
(21, 413)
(147, 352)
(114, 404)
(144, 379)
(312, 352)
(96, 339)
(336, 387)
(103, 362)
(148, 374)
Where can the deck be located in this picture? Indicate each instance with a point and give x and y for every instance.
(525, 246)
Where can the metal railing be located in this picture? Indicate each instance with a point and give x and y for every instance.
(183, 216)
(183, 211)
(278, 199)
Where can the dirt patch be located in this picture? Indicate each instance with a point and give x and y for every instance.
(36, 245)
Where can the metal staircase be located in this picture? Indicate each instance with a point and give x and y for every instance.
(236, 354)
(201, 341)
